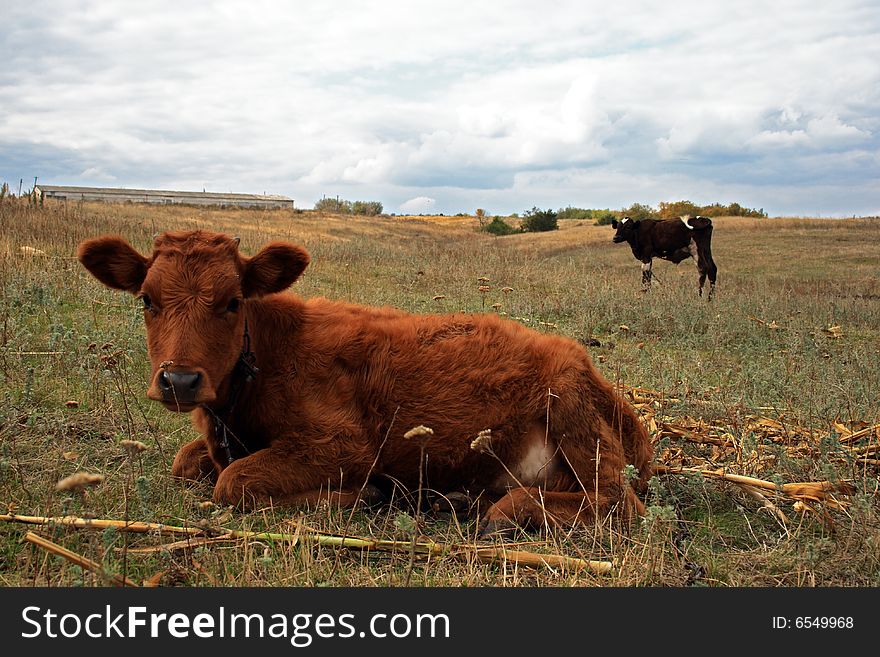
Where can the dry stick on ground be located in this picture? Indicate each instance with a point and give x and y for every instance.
(79, 560)
(767, 504)
(462, 552)
(862, 433)
(865, 450)
(185, 544)
(39, 353)
(861, 453)
(98, 523)
(802, 490)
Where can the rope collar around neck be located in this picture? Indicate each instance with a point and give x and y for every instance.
(243, 373)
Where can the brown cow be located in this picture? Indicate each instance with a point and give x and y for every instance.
(299, 401)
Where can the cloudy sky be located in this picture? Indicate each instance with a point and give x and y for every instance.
(453, 105)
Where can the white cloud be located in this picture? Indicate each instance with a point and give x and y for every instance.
(828, 129)
(95, 173)
(453, 101)
(417, 205)
(822, 132)
(489, 120)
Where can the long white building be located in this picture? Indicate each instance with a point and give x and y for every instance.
(120, 195)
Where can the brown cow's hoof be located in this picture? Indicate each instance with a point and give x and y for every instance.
(192, 462)
(241, 500)
(194, 472)
(371, 496)
(455, 502)
(493, 530)
(235, 488)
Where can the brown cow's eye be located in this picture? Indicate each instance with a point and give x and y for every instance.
(148, 304)
(233, 306)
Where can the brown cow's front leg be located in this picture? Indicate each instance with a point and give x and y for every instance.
(267, 477)
(194, 462)
(536, 508)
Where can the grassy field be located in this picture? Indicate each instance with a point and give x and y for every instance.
(777, 379)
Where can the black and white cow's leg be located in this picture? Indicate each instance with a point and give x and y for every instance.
(646, 275)
(695, 254)
(707, 267)
(712, 270)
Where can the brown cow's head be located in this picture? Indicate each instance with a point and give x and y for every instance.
(194, 287)
(626, 229)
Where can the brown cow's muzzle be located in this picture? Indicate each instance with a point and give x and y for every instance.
(180, 390)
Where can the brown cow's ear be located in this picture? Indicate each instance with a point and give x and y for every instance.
(273, 269)
(114, 262)
(614, 223)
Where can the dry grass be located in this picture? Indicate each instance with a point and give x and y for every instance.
(771, 381)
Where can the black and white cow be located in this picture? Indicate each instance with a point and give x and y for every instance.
(673, 240)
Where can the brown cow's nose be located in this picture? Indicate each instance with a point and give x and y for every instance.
(180, 387)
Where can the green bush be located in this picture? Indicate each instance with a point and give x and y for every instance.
(639, 211)
(599, 217)
(368, 208)
(574, 213)
(341, 206)
(676, 209)
(536, 221)
(334, 205)
(604, 217)
(499, 227)
(672, 210)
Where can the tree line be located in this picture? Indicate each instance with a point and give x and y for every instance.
(540, 220)
(537, 220)
(341, 206)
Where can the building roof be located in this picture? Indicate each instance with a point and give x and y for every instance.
(159, 192)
